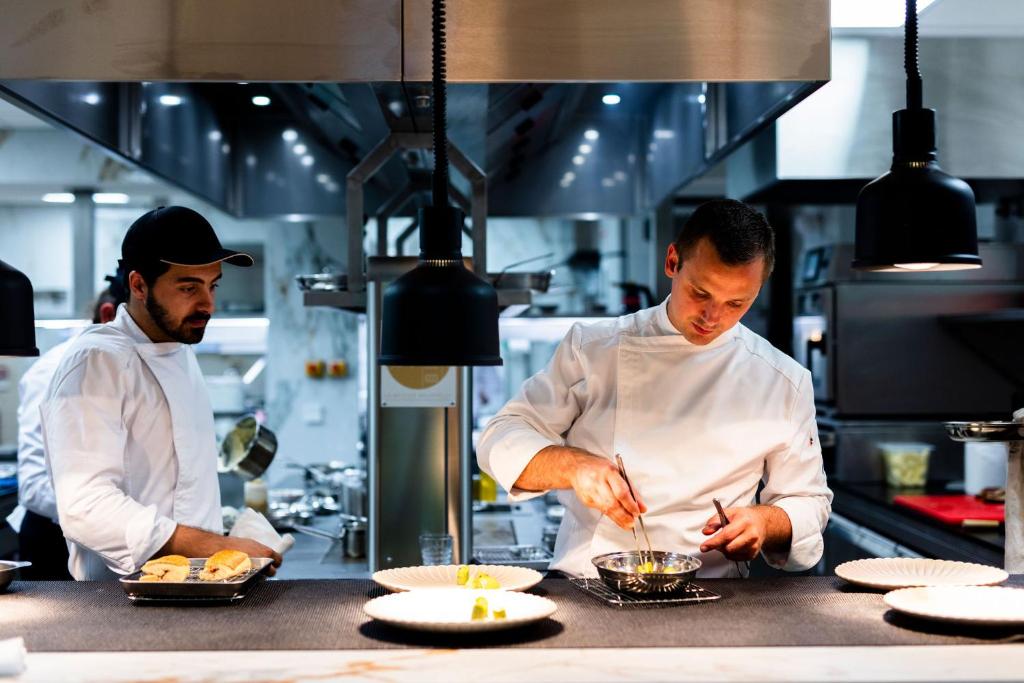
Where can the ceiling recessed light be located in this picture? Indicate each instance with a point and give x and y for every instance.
(214, 135)
(307, 160)
(585, 149)
(578, 160)
(289, 135)
(570, 176)
(702, 98)
(663, 134)
(59, 198)
(110, 198)
(591, 134)
(92, 98)
(323, 178)
(170, 100)
(611, 99)
(607, 182)
(619, 175)
(260, 100)
(299, 149)
(250, 160)
(590, 216)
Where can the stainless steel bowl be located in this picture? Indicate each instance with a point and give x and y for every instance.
(985, 431)
(248, 449)
(8, 570)
(619, 571)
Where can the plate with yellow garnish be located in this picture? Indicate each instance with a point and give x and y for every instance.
(458, 610)
(458, 576)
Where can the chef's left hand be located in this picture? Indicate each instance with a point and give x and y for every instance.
(742, 538)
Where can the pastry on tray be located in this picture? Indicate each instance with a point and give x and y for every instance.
(167, 568)
(225, 564)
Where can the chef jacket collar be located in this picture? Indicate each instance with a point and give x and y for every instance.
(126, 323)
(663, 326)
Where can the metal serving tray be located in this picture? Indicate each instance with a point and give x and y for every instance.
(193, 589)
(985, 431)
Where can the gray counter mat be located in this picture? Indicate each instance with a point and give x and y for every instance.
(327, 615)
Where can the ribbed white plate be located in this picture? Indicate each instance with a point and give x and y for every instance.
(902, 572)
(982, 605)
(443, 576)
(451, 609)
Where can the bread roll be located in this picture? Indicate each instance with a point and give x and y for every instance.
(225, 564)
(167, 568)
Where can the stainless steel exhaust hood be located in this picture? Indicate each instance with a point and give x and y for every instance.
(826, 148)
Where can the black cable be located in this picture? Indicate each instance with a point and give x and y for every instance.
(914, 96)
(440, 177)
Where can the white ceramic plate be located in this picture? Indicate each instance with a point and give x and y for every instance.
(982, 605)
(451, 609)
(443, 576)
(903, 572)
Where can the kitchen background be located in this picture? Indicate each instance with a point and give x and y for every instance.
(587, 183)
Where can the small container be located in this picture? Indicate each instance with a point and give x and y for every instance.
(256, 495)
(906, 463)
(436, 548)
(355, 539)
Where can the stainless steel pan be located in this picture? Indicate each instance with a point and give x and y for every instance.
(248, 449)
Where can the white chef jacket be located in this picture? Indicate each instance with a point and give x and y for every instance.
(129, 438)
(691, 422)
(35, 491)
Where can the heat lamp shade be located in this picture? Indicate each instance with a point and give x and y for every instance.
(17, 318)
(440, 315)
(914, 218)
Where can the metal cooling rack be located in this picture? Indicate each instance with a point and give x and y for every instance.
(599, 591)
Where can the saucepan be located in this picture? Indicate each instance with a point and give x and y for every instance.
(671, 573)
(7, 572)
(248, 448)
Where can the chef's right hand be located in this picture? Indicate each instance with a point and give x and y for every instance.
(255, 549)
(597, 484)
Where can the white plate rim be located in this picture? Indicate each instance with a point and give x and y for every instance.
(549, 608)
(383, 577)
(842, 571)
(891, 600)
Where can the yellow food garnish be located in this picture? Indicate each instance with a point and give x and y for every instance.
(479, 609)
(645, 568)
(462, 575)
(499, 613)
(488, 581)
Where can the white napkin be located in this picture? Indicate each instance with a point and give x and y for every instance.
(1015, 504)
(12, 657)
(251, 524)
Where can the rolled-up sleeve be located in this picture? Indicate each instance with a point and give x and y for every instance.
(795, 482)
(537, 417)
(85, 439)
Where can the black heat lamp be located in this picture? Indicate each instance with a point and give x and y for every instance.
(440, 312)
(17, 318)
(915, 217)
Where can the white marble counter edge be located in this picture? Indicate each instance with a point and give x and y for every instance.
(1000, 662)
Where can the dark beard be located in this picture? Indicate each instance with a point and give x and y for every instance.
(183, 333)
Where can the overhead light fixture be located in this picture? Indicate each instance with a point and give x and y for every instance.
(92, 98)
(17, 316)
(289, 135)
(214, 135)
(307, 160)
(870, 13)
(170, 100)
(585, 149)
(260, 100)
(578, 159)
(59, 198)
(110, 198)
(323, 178)
(440, 312)
(611, 99)
(915, 217)
(299, 149)
(664, 134)
(591, 134)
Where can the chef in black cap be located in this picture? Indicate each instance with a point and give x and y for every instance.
(127, 419)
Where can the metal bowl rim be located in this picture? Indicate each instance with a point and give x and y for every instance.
(600, 560)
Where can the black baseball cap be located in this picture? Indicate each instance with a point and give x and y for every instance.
(178, 236)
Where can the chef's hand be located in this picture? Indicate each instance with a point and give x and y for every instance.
(254, 549)
(750, 529)
(597, 484)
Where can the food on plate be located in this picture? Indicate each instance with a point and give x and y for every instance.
(462, 575)
(166, 568)
(225, 564)
(484, 580)
(479, 609)
(499, 613)
(645, 568)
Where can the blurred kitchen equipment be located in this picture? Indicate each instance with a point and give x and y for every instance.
(635, 296)
(984, 466)
(248, 449)
(906, 463)
(8, 571)
(256, 495)
(323, 282)
(985, 431)
(640, 518)
(227, 392)
(539, 281)
(620, 571)
(355, 539)
(436, 548)
(531, 556)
